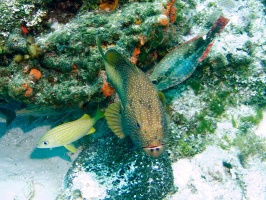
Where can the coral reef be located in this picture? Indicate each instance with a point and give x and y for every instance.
(121, 172)
(49, 59)
(65, 54)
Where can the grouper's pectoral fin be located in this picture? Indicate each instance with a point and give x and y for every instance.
(70, 147)
(114, 118)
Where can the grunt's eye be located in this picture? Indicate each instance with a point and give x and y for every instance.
(45, 142)
(138, 125)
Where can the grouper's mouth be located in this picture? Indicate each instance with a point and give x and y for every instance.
(154, 151)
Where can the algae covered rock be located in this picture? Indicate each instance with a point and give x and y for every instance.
(120, 172)
(64, 51)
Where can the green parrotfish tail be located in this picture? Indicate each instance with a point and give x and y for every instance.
(180, 63)
(140, 113)
(8, 115)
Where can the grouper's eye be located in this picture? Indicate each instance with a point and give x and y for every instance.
(138, 126)
(45, 142)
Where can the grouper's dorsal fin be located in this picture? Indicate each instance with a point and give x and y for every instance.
(113, 58)
(114, 118)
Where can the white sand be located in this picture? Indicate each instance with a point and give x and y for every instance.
(205, 177)
(26, 172)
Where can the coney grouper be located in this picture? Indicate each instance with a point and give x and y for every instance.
(65, 134)
(139, 113)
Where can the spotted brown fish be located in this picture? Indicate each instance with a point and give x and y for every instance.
(140, 113)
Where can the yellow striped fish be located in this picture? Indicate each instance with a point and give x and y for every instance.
(65, 134)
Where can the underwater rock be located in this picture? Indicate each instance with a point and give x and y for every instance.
(67, 52)
(122, 172)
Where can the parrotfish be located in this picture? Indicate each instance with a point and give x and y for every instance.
(65, 134)
(180, 63)
(8, 112)
(34, 111)
(139, 113)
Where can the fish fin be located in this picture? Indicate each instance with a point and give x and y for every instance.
(99, 114)
(114, 118)
(206, 52)
(162, 98)
(115, 59)
(98, 42)
(92, 130)
(85, 116)
(70, 147)
(111, 57)
(33, 119)
(217, 28)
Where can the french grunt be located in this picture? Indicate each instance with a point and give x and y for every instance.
(65, 134)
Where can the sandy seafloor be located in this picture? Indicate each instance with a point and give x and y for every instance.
(30, 173)
(25, 171)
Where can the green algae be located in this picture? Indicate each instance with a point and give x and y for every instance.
(248, 122)
(250, 145)
(195, 85)
(218, 102)
(219, 81)
(234, 122)
(225, 143)
(205, 125)
(253, 119)
(60, 49)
